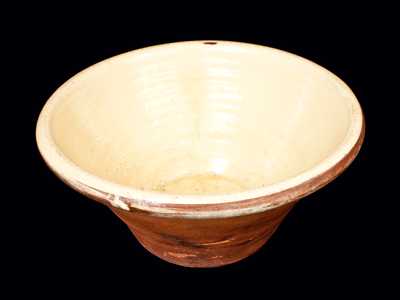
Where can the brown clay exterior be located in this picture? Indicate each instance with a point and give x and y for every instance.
(203, 242)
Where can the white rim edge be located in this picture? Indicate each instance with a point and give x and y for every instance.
(146, 199)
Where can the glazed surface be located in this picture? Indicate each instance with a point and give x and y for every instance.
(202, 119)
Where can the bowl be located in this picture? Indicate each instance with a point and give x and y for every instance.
(201, 147)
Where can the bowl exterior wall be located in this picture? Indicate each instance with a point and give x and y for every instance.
(203, 242)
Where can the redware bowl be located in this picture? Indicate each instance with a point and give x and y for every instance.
(201, 147)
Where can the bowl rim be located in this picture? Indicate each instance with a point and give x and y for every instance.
(200, 206)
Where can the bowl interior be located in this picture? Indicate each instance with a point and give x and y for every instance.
(196, 118)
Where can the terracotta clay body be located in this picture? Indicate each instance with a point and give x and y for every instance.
(201, 148)
(203, 242)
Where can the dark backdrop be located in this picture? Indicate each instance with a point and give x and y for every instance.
(328, 243)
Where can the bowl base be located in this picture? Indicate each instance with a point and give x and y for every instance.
(202, 259)
(203, 243)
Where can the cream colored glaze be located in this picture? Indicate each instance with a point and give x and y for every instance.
(192, 118)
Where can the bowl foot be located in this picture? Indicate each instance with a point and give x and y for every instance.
(203, 243)
(203, 256)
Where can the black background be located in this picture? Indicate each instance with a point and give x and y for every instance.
(330, 243)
